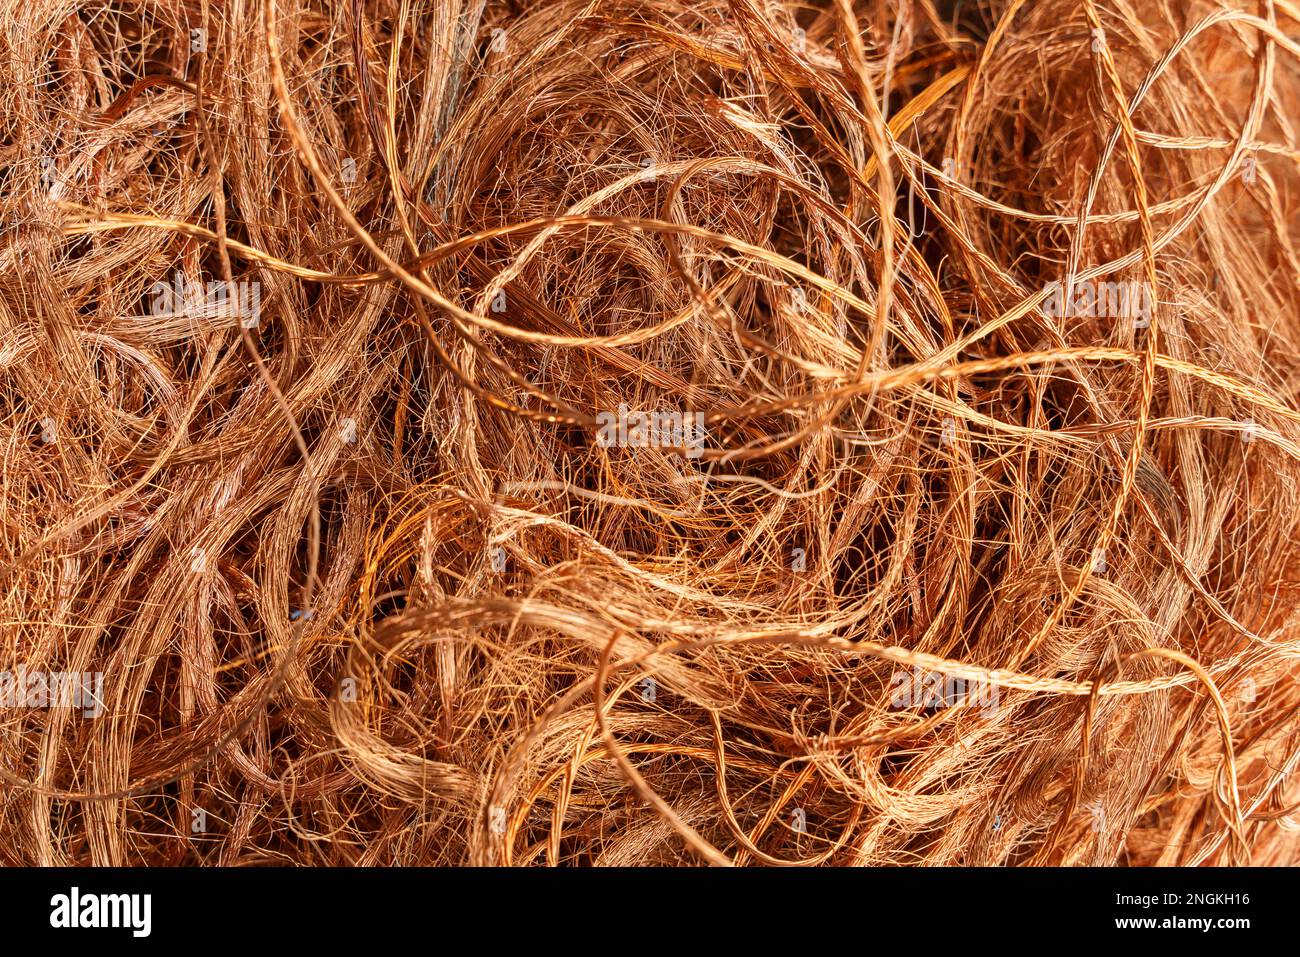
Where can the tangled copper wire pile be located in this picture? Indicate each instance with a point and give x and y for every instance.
(972, 538)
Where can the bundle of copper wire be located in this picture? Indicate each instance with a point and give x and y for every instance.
(650, 432)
